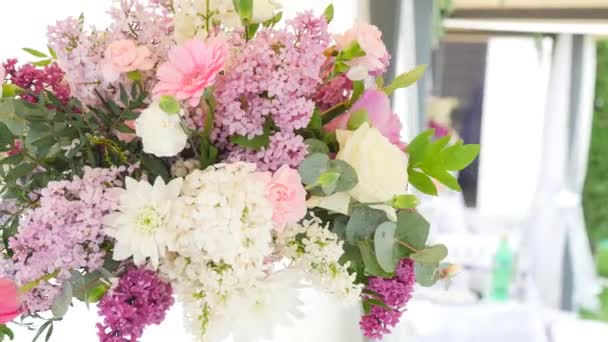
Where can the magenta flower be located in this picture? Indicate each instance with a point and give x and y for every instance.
(395, 293)
(378, 107)
(140, 299)
(192, 67)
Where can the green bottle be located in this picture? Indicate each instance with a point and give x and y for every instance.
(502, 272)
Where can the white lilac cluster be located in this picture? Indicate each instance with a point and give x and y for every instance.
(314, 249)
(222, 234)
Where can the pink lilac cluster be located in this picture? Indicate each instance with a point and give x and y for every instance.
(80, 52)
(395, 293)
(274, 77)
(63, 233)
(140, 299)
(36, 80)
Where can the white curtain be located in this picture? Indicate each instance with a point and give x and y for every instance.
(556, 216)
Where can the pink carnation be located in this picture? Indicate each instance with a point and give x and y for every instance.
(369, 37)
(288, 197)
(124, 56)
(10, 305)
(378, 107)
(192, 67)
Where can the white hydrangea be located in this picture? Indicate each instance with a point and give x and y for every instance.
(316, 250)
(161, 134)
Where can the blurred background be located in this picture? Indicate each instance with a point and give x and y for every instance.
(528, 80)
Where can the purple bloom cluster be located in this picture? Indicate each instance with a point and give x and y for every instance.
(274, 76)
(395, 292)
(63, 233)
(37, 80)
(140, 299)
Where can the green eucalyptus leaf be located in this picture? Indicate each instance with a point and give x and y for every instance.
(371, 262)
(384, 244)
(316, 146)
(363, 223)
(348, 176)
(312, 167)
(431, 255)
(412, 229)
(62, 302)
(328, 181)
(406, 79)
(426, 275)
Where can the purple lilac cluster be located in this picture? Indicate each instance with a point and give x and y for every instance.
(396, 293)
(80, 52)
(273, 77)
(140, 299)
(36, 80)
(63, 233)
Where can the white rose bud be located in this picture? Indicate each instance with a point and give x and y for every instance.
(264, 10)
(161, 133)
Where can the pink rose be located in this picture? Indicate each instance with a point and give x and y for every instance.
(378, 107)
(124, 56)
(376, 57)
(192, 67)
(10, 304)
(288, 197)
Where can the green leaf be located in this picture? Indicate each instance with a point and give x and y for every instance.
(431, 255)
(357, 118)
(10, 90)
(42, 63)
(169, 104)
(6, 136)
(52, 52)
(5, 331)
(244, 8)
(208, 153)
(384, 244)
(412, 229)
(363, 223)
(458, 156)
(334, 112)
(274, 20)
(328, 181)
(358, 89)
(155, 167)
(316, 122)
(316, 146)
(352, 255)
(312, 167)
(351, 52)
(21, 170)
(422, 182)
(338, 226)
(257, 142)
(62, 302)
(406, 79)
(417, 148)
(426, 275)
(445, 178)
(369, 259)
(329, 13)
(348, 176)
(405, 202)
(134, 75)
(35, 53)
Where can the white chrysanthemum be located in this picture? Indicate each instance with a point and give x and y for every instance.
(313, 248)
(259, 310)
(162, 134)
(141, 220)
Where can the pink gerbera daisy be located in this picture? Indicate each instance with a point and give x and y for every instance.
(192, 67)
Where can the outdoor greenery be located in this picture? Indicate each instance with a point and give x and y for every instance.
(596, 186)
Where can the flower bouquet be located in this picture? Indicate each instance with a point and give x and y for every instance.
(203, 151)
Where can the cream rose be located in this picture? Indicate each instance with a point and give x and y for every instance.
(381, 168)
(264, 10)
(380, 165)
